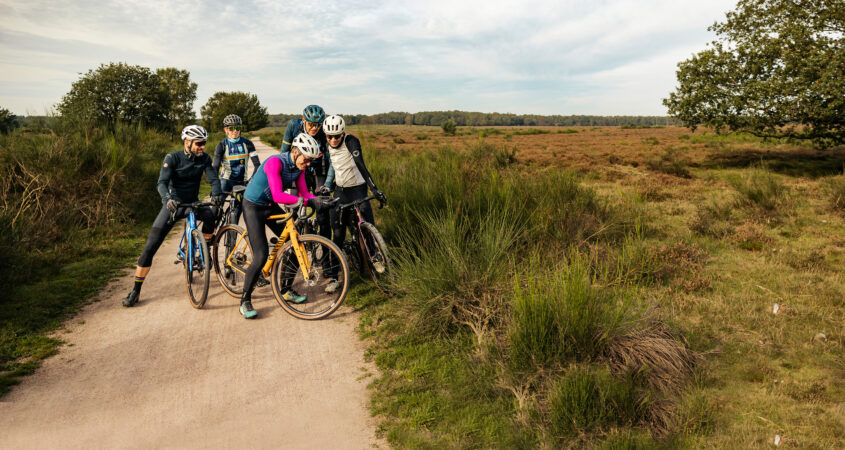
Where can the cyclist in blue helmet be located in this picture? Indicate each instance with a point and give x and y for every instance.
(311, 123)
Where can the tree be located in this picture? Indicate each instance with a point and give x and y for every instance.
(775, 70)
(449, 127)
(182, 93)
(117, 93)
(221, 104)
(8, 121)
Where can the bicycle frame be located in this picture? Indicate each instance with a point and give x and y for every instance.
(190, 225)
(357, 226)
(289, 233)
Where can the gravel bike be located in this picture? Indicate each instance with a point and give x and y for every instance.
(226, 216)
(366, 248)
(194, 257)
(307, 263)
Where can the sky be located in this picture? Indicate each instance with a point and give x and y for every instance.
(611, 57)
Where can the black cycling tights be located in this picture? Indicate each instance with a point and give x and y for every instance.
(255, 217)
(162, 225)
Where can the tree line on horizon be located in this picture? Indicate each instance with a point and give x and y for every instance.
(481, 119)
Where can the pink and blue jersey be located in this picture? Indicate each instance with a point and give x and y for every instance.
(276, 174)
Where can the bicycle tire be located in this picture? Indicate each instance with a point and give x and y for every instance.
(197, 277)
(323, 256)
(231, 276)
(352, 251)
(378, 254)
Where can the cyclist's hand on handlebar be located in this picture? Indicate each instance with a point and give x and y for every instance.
(293, 206)
(217, 201)
(319, 203)
(380, 196)
(172, 205)
(323, 190)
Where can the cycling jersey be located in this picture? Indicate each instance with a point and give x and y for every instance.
(230, 159)
(181, 174)
(276, 174)
(296, 126)
(351, 170)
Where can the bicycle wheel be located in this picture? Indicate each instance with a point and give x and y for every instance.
(326, 263)
(377, 258)
(197, 273)
(352, 251)
(232, 254)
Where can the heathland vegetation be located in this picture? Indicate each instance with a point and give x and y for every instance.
(606, 287)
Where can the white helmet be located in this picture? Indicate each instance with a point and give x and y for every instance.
(307, 145)
(333, 125)
(192, 132)
(231, 119)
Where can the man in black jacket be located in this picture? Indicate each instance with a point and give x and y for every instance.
(178, 182)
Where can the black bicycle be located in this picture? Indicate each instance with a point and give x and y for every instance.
(366, 249)
(227, 215)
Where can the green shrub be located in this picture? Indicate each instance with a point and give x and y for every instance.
(449, 127)
(761, 189)
(564, 315)
(567, 131)
(587, 399)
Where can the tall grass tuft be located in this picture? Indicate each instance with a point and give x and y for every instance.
(588, 399)
(761, 189)
(563, 314)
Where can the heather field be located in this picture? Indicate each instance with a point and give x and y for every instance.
(692, 286)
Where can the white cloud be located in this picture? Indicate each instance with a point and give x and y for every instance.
(570, 57)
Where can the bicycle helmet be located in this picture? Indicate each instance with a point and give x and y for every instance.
(230, 120)
(307, 145)
(194, 132)
(314, 113)
(334, 125)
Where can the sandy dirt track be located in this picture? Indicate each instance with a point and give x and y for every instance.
(164, 375)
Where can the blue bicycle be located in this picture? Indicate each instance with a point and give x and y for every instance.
(194, 256)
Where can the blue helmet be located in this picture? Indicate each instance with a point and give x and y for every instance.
(314, 113)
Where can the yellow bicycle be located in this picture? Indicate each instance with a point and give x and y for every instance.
(308, 263)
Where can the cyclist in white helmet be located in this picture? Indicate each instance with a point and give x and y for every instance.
(348, 177)
(262, 197)
(230, 157)
(178, 182)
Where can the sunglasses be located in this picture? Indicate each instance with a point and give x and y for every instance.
(313, 124)
(334, 136)
(200, 143)
(235, 128)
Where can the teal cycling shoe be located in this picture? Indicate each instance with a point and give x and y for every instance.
(293, 297)
(247, 311)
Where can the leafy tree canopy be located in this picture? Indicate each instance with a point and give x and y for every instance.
(183, 93)
(120, 93)
(776, 69)
(8, 121)
(221, 104)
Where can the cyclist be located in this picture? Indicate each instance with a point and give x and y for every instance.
(348, 177)
(179, 182)
(263, 193)
(230, 157)
(311, 122)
